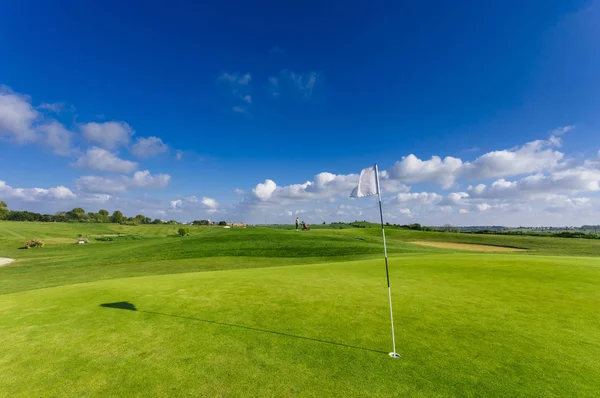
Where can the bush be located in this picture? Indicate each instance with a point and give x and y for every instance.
(183, 231)
(34, 243)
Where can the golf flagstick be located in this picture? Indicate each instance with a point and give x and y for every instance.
(393, 354)
(368, 184)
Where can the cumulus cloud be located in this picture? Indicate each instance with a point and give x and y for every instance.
(35, 194)
(143, 179)
(417, 198)
(324, 185)
(532, 157)
(263, 191)
(100, 159)
(23, 124)
(147, 147)
(121, 184)
(101, 185)
(238, 191)
(109, 135)
(17, 116)
(209, 202)
(573, 180)
(412, 169)
(57, 137)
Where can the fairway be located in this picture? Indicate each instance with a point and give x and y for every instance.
(261, 312)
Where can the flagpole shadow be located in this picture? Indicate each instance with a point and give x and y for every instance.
(124, 305)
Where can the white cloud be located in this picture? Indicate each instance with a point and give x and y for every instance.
(532, 157)
(417, 198)
(101, 185)
(140, 180)
(405, 212)
(483, 207)
(238, 109)
(147, 147)
(35, 194)
(238, 191)
(176, 204)
(17, 116)
(57, 137)
(143, 179)
(573, 180)
(97, 198)
(210, 203)
(412, 169)
(100, 159)
(263, 191)
(109, 135)
(247, 98)
(23, 124)
(179, 155)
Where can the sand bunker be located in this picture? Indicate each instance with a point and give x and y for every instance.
(4, 261)
(469, 247)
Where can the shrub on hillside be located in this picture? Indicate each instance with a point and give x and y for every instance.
(34, 243)
(183, 231)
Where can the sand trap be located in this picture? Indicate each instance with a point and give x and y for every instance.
(4, 261)
(469, 247)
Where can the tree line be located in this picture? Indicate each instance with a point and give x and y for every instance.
(77, 215)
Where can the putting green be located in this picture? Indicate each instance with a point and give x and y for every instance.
(467, 325)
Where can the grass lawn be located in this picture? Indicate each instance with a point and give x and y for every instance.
(280, 313)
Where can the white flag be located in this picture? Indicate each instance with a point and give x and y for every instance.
(367, 183)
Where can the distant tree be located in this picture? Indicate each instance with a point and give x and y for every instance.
(117, 217)
(201, 222)
(415, 226)
(140, 219)
(324, 223)
(172, 222)
(59, 216)
(103, 216)
(183, 231)
(3, 210)
(93, 217)
(158, 221)
(77, 214)
(222, 223)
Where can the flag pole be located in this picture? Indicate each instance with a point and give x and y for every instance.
(393, 354)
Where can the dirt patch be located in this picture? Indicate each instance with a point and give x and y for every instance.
(4, 261)
(468, 247)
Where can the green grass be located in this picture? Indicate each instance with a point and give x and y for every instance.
(289, 314)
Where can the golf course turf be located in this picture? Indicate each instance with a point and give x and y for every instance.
(267, 312)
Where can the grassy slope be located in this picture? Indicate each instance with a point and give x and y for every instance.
(467, 325)
(156, 250)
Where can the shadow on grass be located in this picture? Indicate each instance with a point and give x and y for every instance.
(124, 305)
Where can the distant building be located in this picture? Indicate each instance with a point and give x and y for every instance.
(238, 224)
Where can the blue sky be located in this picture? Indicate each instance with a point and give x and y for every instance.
(203, 99)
